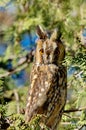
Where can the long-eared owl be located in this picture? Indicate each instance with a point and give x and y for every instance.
(48, 89)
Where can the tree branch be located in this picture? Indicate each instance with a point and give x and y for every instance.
(82, 127)
(75, 110)
(22, 64)
(17, 101)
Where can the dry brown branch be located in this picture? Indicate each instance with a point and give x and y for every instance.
(22, 64)
(67, 115)
(75, 110)
(17, 101)
(13, 71)
(82, 127)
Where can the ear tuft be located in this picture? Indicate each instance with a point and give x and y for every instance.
(54, 35)
(41, 33)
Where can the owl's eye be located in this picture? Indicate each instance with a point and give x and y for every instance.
(41, 51)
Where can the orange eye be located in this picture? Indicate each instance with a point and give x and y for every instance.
(41, 51)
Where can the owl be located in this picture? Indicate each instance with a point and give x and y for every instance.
(48, 89)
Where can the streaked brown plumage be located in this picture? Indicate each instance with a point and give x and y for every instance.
(48, 90)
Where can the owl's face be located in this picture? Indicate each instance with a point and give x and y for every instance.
(48, 51)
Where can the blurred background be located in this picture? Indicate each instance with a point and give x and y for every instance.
(18, 21)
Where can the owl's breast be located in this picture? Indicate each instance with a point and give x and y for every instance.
(47, 94)
(43, 78)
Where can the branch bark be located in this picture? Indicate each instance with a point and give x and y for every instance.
(22, 64)
(75, 110)
(17, 101)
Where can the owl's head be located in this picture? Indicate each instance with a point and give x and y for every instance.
(49, 50)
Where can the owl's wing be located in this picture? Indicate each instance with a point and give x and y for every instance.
(56, 97)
